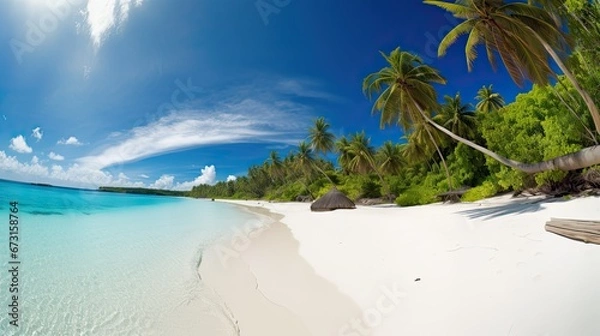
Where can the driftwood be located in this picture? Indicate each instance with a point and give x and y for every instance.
(583, 230)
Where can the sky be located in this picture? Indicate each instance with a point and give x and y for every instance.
(172, 94)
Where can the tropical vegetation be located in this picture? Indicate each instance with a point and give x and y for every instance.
(546, 138)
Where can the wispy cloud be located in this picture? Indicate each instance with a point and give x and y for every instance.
(18, 144)
(245, 121)
(37, 133)
(104, 16)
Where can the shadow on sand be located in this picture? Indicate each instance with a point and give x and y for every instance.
(514, 208)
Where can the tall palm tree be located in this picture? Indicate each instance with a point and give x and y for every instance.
(275, 166)
(457, 117)
(305, 160)
(523, 34)
(344, 156)
(362, 154)
(389, 158)
(405, 91)
(362, 158)
(488, 100)
(322, 141)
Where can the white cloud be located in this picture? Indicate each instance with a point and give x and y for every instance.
(144, 176)
(70, 141)
(164, 182)
(208, 175)
(231, 178)
(245, 121)
(103, 16)
(18, 144)
(55, 157)
(74, 175)
(37, 133)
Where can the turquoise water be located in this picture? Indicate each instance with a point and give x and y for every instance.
(95, 263)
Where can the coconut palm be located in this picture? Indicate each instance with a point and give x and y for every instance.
(344, 156)
(523, 34)
(389, 158)
(362, 154)
(321, 139)
(405, 89)
(305, 160)
(275, 166)
(406, 93)
(457, 117)
(488, 100)
(362, 157)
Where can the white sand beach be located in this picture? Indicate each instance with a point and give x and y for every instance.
(486, 268)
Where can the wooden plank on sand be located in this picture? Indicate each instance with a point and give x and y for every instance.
(586, 231)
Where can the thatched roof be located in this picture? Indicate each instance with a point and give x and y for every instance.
(333, 200)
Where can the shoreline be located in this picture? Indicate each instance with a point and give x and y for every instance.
(457, 269)
(263, 302)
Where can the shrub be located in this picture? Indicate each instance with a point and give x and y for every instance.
(417, 195)
(487, 189)
(370, 189)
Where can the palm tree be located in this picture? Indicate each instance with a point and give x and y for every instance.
(362, 154)
(489, 101)
(523, 34)
(389, 158)
(305, 160)
(457, 117)
(344, 157)
(405, 92)
(275, 166)
(362, 158)
(322, 141)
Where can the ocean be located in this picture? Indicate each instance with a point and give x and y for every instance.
(96, 263)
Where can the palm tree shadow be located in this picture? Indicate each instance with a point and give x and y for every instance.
(514, 208)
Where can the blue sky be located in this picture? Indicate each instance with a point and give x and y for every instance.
(170, 94)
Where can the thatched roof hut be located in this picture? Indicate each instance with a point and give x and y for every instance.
(333, 200)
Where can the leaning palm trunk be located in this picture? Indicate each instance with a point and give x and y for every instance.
(591, 135)
(316, 166)
(586, 97)
(441, 157)
(586, 157)
(385, 185)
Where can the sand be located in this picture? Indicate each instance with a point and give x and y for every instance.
(485, 268)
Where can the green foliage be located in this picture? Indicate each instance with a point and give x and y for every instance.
(417, 195)
(351, 186)
(370, 189)
(288, 192)
(536, 127)
(467, 166)
(487, 189)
